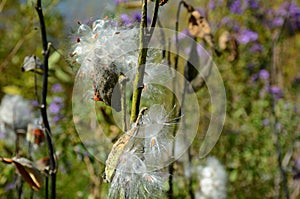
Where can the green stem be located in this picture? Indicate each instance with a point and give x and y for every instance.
(123, 82)
(138, 84)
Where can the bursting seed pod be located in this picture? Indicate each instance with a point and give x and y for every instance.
(105, 83)
(123, 143)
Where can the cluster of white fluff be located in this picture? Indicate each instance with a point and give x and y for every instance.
(212, 180)
(15, 111)
(109, 42)
(133, 179)
(105, 51)
(15, 115)
(137, 174)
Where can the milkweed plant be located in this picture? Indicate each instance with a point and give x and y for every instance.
(149, 104)
(111, 54)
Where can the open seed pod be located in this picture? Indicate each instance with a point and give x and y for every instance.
(123, 143)
(106, 84)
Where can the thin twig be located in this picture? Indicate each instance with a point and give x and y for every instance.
(176, 35)
(123, 81)
(154, 17)
(278, 133)
(46, 53)
(171, 166)
(276, 127)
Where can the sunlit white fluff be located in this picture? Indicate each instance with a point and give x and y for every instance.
(212, 180)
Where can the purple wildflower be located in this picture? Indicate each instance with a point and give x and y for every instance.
(57, 118)
(212, 5)
(277, 92)
(236, 7)
(183, 34)
(291, 12)
(10, 186)
(254, 77)
(117, 2)
(57, 88)
(201, 11)
(137, 17)
(34, 103)
(253, 4)
(125, 19)
(265, 122)
(246, 36)
(264, 74)
(58, 100)
(256, 48)
(277, 22)
(230, 23)
(54, 108)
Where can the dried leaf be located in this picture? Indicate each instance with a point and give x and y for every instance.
(32, 63)
(223, 40)
(199, 27)
(28, 171)
(6, 160)
(229, 43)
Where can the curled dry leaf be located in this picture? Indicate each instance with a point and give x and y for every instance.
(228, 42)
(32, 63)
(28, 171)
(198, 27)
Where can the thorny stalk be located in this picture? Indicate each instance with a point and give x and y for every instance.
(46, 53)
